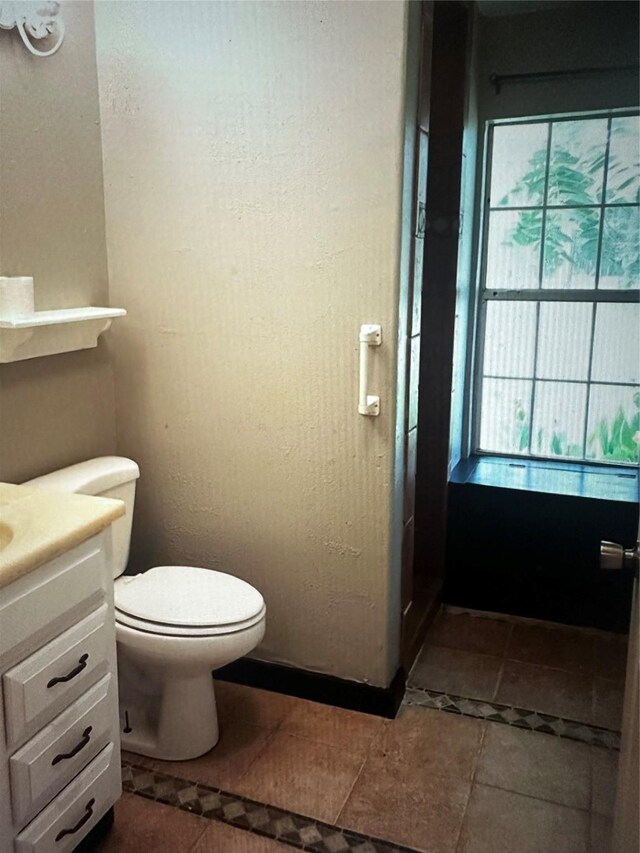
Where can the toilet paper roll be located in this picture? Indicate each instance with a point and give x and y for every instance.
(16, 296)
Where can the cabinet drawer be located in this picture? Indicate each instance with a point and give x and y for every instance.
(56, 594)
(76, 810)
(57, 673)
(55, 755)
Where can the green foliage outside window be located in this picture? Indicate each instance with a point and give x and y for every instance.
(615, 440)
(577, 180)
(571, 237)
(618, 440)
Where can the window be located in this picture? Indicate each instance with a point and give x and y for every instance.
(558, 342)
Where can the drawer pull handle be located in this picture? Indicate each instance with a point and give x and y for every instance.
(80, 823)
(86, 737)
(75, 671)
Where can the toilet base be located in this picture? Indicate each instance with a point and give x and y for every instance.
(173, 720)
(167, 701)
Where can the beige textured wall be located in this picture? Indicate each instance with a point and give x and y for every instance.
(253, 172)
(56, 410)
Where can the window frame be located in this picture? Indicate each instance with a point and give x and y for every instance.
(485, 295)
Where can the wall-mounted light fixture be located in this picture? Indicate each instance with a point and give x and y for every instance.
(35, 19)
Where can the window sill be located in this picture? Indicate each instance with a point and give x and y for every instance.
(611, 483)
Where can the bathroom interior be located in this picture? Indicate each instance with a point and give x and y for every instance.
(342, 297)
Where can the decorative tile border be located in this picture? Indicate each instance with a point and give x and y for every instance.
(510, 715)
(303, 833)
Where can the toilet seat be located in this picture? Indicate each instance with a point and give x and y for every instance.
(159, 628)
(186, 601)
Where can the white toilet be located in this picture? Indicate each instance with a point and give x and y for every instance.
(174, 625)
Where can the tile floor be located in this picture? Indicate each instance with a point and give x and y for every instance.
(574, 673)
(428, 780)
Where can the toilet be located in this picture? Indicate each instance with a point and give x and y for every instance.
(174, 625)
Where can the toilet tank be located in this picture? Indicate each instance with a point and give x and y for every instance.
(107, 477)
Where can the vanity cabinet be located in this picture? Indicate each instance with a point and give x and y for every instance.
(59, 724)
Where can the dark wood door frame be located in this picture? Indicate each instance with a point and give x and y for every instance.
(451, 24)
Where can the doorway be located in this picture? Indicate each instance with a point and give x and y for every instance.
(522, 626)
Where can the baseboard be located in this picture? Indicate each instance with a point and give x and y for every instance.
(318, 687)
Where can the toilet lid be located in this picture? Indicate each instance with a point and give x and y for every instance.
(187, 596)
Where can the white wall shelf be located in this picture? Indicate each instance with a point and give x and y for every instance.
(50, 332)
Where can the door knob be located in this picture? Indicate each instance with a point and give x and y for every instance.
(614, 557)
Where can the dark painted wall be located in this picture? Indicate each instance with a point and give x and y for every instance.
(537, 555)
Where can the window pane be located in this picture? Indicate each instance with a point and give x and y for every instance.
(558, 419)
(571, 248)
(504, 422)
(613, 431)
(563, 340)
(556, 375)
(616, 343)
(623, 177)
(509, 341)
(620, 262)
(518, 164)
(576, 168)
(513, 249)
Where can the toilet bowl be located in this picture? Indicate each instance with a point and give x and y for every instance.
(174, 625)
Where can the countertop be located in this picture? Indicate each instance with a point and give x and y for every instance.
(37, 525)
